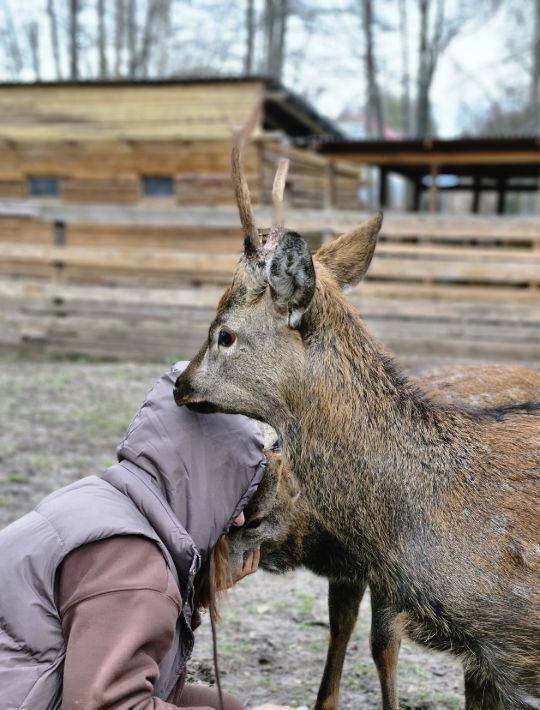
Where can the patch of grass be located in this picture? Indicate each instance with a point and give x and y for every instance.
(428, 697)
(306, 600)
(231, 618)
(106, 419)
(13, 478)
(317, 646)
(41, 463)
(281, 604)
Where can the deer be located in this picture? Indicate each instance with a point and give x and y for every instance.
(439, 502)
(289, 535)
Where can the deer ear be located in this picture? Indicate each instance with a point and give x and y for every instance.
(291, 276)
(348, 257)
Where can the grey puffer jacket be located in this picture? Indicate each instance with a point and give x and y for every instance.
(181, 479)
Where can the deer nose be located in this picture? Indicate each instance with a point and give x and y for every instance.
(182, 391)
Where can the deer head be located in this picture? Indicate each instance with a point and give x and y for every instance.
(253, 360)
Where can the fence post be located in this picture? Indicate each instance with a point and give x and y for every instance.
(57, 276)
(59, 233)
(433, 188)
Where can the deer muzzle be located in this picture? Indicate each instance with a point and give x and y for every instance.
(185, 395)
(183, 391)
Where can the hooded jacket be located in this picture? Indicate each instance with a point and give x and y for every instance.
(180, 480)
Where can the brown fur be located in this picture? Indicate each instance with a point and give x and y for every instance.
(440, 503)
(290, 535)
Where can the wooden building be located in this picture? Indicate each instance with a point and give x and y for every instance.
(162, 142)
(475, 165)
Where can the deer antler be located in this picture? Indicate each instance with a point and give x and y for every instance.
(278, 190)
(241, 189)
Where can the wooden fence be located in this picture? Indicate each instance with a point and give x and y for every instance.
(138, 283)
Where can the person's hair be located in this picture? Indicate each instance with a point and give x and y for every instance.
(214, 578)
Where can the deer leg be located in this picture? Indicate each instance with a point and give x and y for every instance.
(385, 642)
(343, 602)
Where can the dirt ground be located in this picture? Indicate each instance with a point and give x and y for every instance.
(60, 421)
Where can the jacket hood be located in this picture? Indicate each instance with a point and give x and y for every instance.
(206, 465)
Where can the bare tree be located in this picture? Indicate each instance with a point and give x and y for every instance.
(275, 32)
(405, 68)
(535, 73)
(74, 7)
(32, 34)
(102, 39)
(163, 41)
(250, 37)
(119, 35)
(141, 63)
(437, 30)
(12, 46)
(131, 27)
(374, 109)
(55, 44)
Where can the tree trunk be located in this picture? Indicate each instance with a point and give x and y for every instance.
(374, 109)
(102, 39)
(74, 39)
(250, 37)
(281, 38)
(13, 48)
(142, 62)
(120, 33)
(269, 28)
(32, 31)
(275, 26)
(164, 26)
(405, 70)
(422, 101)
(535, 76)
(53, 22)
(131, 26)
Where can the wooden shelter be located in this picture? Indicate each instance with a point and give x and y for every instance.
(478, 165)
(160, 142)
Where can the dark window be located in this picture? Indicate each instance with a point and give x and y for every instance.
(44, 186)
(158, 186)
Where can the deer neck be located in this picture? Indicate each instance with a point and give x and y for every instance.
(361, 436)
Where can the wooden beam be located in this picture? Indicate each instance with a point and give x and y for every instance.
(477, 188)
(420, 158)
(383, 187)
(501, 195)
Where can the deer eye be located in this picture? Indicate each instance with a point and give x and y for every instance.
(226, 338)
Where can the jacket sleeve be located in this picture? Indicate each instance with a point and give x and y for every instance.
(119, 605)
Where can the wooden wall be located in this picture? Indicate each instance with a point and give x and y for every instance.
(111, 173)
(100, 141)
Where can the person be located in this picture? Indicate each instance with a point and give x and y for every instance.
(103, 580)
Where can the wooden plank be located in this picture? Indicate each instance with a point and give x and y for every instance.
(512, 271)
(139, 322)
(507, 270)
(84, 112)
(395, 226)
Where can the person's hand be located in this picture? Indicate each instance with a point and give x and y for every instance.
(248, 566)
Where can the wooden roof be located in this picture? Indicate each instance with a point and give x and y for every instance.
(192, 109)
(504, 156)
